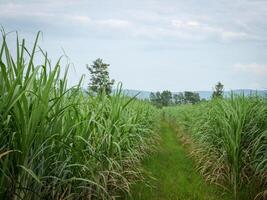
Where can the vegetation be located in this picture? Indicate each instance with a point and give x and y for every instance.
(174, 172)
(191, 97)
(166, 98)
(161, 99)
(218, 91)
(230, 142)
(100, 81)
(179, 98)
(57, 142)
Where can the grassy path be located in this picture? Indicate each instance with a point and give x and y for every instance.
(175, 175)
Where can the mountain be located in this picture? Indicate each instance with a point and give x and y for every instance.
(203, 94)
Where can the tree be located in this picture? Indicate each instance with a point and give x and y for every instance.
(152, 97)
(100, 81)
(203, 100)
(155, 98)
(179, 98)
(161, 99)
(191, 97)
(166, 98)
(218, 91)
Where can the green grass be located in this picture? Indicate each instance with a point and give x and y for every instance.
(174, 173)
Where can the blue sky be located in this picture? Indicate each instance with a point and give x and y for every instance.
(152, 44)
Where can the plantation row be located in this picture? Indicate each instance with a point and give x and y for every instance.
(229, 139)
(60, 143)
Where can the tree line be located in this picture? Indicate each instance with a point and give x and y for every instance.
(166, 98)
(100, 82)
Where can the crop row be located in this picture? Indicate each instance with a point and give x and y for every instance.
(230, 139)
(57, 142)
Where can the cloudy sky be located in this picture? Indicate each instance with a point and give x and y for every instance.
(152, 44)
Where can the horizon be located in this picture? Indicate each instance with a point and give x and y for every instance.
(203, 94)
(152, 45)
(228, 90)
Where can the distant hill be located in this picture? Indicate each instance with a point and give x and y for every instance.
(202, 94)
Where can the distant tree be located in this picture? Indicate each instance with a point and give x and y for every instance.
(179, 98)
(161, 99)
(100, 81)
(196, 98)
(166, 98)
(191, 97)
(155, 98)
(152, 97)
(175, 99)
(158, 97)
(203, 100)
(218, 91)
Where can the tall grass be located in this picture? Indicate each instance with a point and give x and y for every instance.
(57, 142)
(231, 138)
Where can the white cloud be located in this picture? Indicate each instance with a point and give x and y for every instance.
(82, 19)
(86, 20)
(185, 34)
(231, 35)
(194, 28)
(113, 23)
(254, 68)
(15, 10)
(26, 13)
(142, 23)
(181, 24)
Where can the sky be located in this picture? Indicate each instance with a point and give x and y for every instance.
(151, 44)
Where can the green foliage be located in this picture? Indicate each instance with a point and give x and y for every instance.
(218, 91)
(100, 81)
(186, 98)
(59, 143)
(231, 136)
(179, 98)
(166, 98)
(191, 97)
(155, 98)
(161, 99)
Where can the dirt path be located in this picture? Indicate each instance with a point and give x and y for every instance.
(176, 178)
